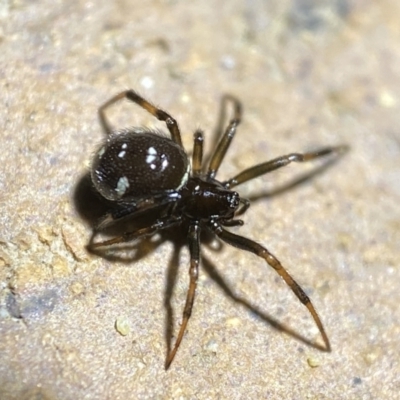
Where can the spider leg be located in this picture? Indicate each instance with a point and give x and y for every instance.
(194, 247)
(244, 208)
(133, 208)
(279, 162)
(161, 115)
(227, 137)
(197, 157)
(240, 211)
(162, 223)
(255, 248)
(232, 222)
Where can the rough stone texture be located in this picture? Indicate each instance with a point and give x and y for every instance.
(309, 74)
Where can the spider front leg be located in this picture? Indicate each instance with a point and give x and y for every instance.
(161, 115)
(255, 248)
(197, 158)
(280, 162)
(194, 247)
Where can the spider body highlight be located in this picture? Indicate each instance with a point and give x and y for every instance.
(140, 170)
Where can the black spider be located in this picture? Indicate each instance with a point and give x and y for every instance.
(139, 170)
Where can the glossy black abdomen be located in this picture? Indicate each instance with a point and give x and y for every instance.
(139, 163)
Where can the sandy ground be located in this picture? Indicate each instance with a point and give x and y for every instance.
(309, 74)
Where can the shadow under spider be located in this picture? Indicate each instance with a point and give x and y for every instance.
(215, 275)
(212, 272)
(294, 182)
(135, 251)
(219, 280)
(179, 241)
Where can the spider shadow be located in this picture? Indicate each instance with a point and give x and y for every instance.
(296, 182)
(219, 280)
(91, 208)
(172, 272)
(213, 273)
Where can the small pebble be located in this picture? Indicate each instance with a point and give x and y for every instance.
(122, 325)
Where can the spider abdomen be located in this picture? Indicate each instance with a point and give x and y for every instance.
(138, 163)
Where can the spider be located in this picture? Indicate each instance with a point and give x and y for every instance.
(139, 169)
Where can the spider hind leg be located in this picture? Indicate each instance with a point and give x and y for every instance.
(255, 248)
(194, 247)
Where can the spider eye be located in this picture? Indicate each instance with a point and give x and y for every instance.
(139, 163)
(234, 200)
